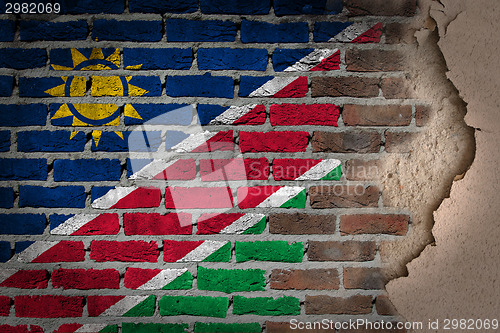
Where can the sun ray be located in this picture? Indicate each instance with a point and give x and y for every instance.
(129, 111)
(96, 54)
(62, 112)
(57, 91)
(73, 134)
(77, 57)
(115, 58)
(134, 67)
(120, 134)
(136, 91)
(96, 135)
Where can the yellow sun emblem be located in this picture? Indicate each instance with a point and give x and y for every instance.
(90, 114)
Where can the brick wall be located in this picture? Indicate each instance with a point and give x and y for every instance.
(273, 213)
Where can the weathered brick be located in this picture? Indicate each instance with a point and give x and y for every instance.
(363, 278)
(302, 114)
(180, 30)
(5, 306)
(263, 32)
(22, 224)
(301, 224)
(395, 87)
(381, 7)
(198, 197)
(147, 59)
(400, 33)
(345, 86)
(4, 141)
(374, 60)
(205, 306)
(251, 86)
(158, 279)
(341, 251)
(361, 170)
(47, 141)
(13, 115)
(130, 251)
(51, 252)
(7, 30)
(280, 251)
(39, 86)
(354, 305)
(6, 197)
(235, 115)
(376, 115)
(44, 30)
(127, 31)
(392, 224)
(384, 306)
(285, 141)
(22, 58)
(6, 85)
(231, 223)
(214, 251)
(144, 306)
(55, 197)
(156, 224)
(422, 115)
(53, 306)
(5, 251)
(24, 279)
(271, 196)
(162, 6)
(23, 169)
(344, 196)
(229, 58)
(317, 279)
(346, 142)
(200, 85)
(266, 306)
(230, 280)
(93, 7)
(241, 7)
(87, 170)
(160, 114)
(150, 327)
(112, 86)
(86, 279)
(283, 7)
(227, 328)
(400, 142)
(133, 141)
(234, 169)
(324, 31)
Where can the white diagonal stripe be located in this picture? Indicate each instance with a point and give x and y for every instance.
(152, 169)
(204, 250)
(91, 328)
(271, 87)
(123, 306)
(311, 60)
(34, 250)
(319, 170)
(351, 32)
(73, 224)
(232, 114)
(242, 224)
(193, 141)
(162, 279)
(7, 273)
(281, 196)
(112, 197)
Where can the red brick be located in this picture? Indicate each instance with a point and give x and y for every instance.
(317, 279)
(343, 196)
(290, 169)
(131, 251)
(345, 86)
(399, 33)
(302, 114)
(63, 251)
(323, 304)
(213, 223)
(5, 305)
(381, 7)
(422, 115)
(234, 169)
(96, 305)
(376, 115)
(384, 306)
(198, 197)
(391, 224)
(363, 278)
(346, 142)
(286, 141)
(341, 251)
(143, 197)
(184, 169)
(363, 170)
(399, 142)
(48, 306)
(27, 279)
(301, 224)
(86, 279)
(157, 224)
(374, 60)
(396, 87)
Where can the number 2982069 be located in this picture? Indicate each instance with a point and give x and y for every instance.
(32, 8)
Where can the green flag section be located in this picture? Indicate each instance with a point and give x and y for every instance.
(110, 329)
(223, 254)
(227, 328)
(154, 328)
(205, 306)
(298, 201)
(144, 309)
(266, 306)
(257, 228)
(335, 174)
(231, 280)
(185, 281)
(279, 251)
